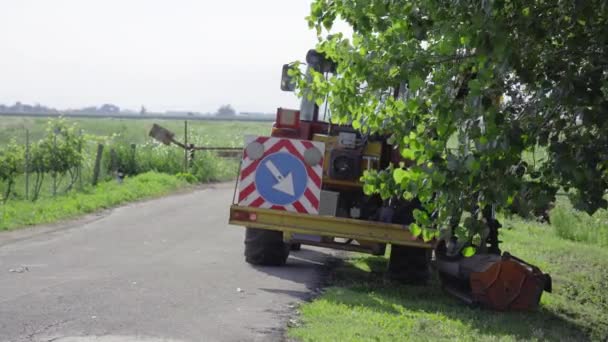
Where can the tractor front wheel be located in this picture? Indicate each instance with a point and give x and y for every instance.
(265, 247)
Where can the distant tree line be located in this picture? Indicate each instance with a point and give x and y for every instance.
(19, 107)
(225, 111)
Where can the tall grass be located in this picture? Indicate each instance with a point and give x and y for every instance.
(578, 226)
(205, 166)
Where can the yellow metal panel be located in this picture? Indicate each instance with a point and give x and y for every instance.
(328, 226)
(330, 143)
(342, 183)
(373, 149)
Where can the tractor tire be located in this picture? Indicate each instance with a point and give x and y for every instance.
(409, 265)
(265, 247)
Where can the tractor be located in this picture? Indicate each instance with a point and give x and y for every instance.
(280, 214)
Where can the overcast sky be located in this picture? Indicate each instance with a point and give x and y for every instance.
(164, 54)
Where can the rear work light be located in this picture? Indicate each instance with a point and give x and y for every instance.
(288, 118)
(238, 215)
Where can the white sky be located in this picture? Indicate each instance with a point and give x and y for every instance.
(164, 54)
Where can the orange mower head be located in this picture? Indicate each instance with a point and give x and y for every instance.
(503, 283)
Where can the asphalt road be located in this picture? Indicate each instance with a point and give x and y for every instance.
(170, 269)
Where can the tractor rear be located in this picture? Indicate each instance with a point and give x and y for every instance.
(302, 186)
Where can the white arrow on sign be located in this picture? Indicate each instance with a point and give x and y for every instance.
(284, 184)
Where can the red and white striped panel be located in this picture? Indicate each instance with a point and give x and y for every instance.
(309, 201)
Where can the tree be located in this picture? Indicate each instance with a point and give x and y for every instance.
(500, 101)
(109, 109)
(226, 110)
(58, 153)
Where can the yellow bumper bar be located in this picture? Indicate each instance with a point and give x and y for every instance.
(325, 226)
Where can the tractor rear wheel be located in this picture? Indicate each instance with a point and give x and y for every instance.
(409, 265)
(265, 247)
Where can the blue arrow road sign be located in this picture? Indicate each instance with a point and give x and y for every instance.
(281, 178)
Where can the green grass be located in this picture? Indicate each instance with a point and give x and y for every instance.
(360, 306)
(19, 213)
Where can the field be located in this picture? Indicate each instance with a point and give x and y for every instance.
(209, 133)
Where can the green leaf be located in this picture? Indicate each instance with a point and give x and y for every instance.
(393, 72)
(428, 234)
(399, 174)
(408, 153)
(412, 105)
(472, 164)
(468, 251)
(415, 230)
(368, 189)
(421, 217)
(415, 83)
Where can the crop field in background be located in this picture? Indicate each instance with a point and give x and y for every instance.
(209, 133)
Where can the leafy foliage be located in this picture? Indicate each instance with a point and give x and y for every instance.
(226, 110)
(11, 165)
(132, 160)
(58, 153)
(480, 85)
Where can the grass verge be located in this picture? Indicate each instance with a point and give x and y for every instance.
(19, 213)
(360, 306)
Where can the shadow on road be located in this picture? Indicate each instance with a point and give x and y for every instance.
(307, 266)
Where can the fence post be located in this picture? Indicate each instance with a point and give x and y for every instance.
(80, 164)
(134, 168)
(97, 166)
(113, 159)
(186, 144)
(54, 163)
(27, 163)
